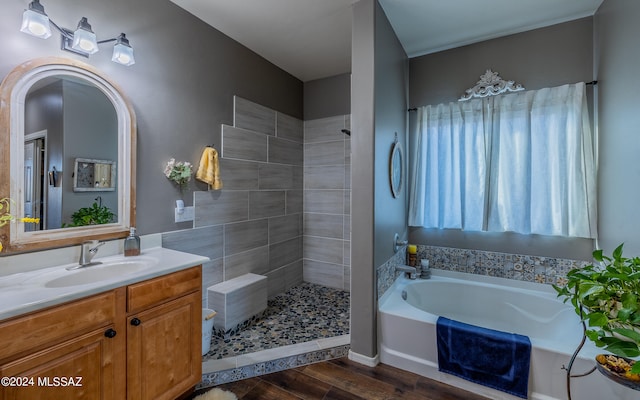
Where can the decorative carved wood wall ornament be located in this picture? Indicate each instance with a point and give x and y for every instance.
(490, 84)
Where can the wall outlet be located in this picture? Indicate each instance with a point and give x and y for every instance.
(186, 215)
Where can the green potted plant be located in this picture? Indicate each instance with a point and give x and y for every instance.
(94, 215)
(606, 295)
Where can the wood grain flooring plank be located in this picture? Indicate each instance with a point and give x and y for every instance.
(240, 388)
(339, 394)
(434, 390)
(358, 384)
(402, 380)
(343, 379)
(266, 391)
(299, 384)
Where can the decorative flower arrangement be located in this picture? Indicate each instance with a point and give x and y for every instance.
(6, 216)
(179, 172)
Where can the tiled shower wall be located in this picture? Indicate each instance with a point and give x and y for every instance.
(327, 200)
(254, 223)
(547, 270)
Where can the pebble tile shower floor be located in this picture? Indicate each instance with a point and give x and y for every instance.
(304, 313)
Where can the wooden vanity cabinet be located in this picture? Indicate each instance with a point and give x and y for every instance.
(71, 351)
(138, 342)
(164, 357)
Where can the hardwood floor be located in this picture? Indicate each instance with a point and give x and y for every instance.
(342, 379)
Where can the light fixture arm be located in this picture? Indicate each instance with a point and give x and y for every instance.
(82, 41)
(64, 32)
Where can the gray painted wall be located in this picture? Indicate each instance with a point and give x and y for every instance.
(545, 57)
(616, 64)
(391, 94)
(327, 97)
(378, 104)
(363, 293)
(181, 86)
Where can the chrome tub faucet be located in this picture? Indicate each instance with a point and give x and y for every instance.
(410, 272)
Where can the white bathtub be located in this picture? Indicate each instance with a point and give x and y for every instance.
(407, 332)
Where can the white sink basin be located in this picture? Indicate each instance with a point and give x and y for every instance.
(98, 272)
(105, 271)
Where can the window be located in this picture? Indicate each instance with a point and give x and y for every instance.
(521, 162)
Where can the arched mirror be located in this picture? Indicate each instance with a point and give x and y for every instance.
(68, 154)
(396, 168)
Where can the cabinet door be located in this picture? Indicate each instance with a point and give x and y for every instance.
(80, 368)
(164, 349)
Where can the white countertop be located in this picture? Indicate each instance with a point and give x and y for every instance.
(28, 291)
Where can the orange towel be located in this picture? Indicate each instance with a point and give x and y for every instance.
(209, 170)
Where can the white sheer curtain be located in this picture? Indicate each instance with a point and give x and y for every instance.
(521, 162)
(542, 177)
(449, 167)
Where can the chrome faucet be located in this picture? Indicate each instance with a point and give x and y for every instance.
(88, 250)
(410, 272)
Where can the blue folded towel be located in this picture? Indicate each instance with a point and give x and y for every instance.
(488, 357)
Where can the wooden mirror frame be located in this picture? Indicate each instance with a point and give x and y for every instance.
(12, 97)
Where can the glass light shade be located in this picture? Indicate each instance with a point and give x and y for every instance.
(123, 54)
(84, 40)
(35, 24)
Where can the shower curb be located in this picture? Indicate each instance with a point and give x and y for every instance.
(268, 367)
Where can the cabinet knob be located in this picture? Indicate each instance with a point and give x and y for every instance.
(135, 322)
(110, 333)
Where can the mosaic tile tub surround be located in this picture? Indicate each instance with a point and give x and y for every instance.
(546, 270)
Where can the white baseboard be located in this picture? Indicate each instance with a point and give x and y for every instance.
(368, 361)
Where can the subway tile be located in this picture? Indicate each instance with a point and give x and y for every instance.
(347, 278)
(295, 201)
(266, 203)
(284, 151)
(298, 177)
(324, 153)
(276, 176)
(220, 206)
(346, 258)
(284, 253)
(288, 127)
(276, 282)
(347, 177)
(324, 201)
(243, 144)
(346, 225)
(243, 236)
(324, 129)
(323, 249)
(253, 116)
(324, 225)
(239, 174)
(212, 273)
(326, 177)
(204, 241)
(347, 151)
(293, 274)
(285, 228)
(322, 273)
(254, 260)
(347, 202)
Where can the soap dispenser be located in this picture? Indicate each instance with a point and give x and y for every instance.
(132, 244)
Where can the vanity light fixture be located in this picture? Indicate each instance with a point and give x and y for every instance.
(82, 41)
